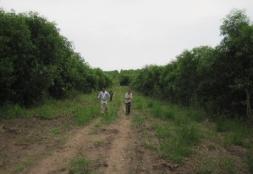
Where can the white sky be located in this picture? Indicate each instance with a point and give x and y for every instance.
(129, 34)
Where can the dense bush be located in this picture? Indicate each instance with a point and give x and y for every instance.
(126, 77)
(219, 79)
(36, 61)
(124, 80)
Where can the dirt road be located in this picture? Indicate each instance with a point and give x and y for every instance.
(107, 146)
(114, 148)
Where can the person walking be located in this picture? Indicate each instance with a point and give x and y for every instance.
(104, 97)
(128, 101)
(111, 94)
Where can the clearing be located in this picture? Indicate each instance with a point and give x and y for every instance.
(156, 138)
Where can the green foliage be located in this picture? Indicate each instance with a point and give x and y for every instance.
(114, 76)
(219, 79)
(138, 102)
(124, 80)
(111, 115)
(179, 130)
(80, 165)
(138, 120)
(84, 115)
(235, 132)
(176, 142)
(22, 165)
(37, 62)
(55, 131)
(196, 115)
(12, 111)
(126, 77)
(250, 160)
(178, 133)
(52, 108)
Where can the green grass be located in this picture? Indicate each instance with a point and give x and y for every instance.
(168, 111)
(51, 108)
(20, 167)
(138, 103)
(83, 115)
(55, 131)
(161, 110)
(250, 160)
(235, 132)
(80, 165)
(138, 120)
(177, 131)
(196, 115)
(226, 125)
(112, 113)
(176, 142)
(211, 165)
(12, 111)
(180, 129)
(82, 108)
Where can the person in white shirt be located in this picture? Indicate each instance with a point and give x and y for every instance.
(104, 97)
(128, 101)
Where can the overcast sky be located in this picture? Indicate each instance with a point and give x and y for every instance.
(124, 34)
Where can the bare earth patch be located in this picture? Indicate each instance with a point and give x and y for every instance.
(58, 161)
(118, 158)
(29, 141)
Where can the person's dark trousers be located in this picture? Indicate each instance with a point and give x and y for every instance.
(128, 108)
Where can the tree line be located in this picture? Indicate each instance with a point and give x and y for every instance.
(218, 79)
(36, 61)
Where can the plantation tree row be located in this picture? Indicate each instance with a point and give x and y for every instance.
(37, 62)
(218, 79)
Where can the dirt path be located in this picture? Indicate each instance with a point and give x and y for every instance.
(106, 146)
(118, 159)
(115, 148)
(122, 147)
(57, 162)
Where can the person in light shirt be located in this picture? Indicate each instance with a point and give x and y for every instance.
(104, 97)
(128, 101)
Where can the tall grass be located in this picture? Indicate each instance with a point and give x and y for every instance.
(178, 132)
(84, 115)
(235, 132)
(176, 142)
(138, 120)
(13, 111)
(51, 108)
(180, 129)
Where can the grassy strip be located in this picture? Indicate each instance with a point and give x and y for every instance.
(51, 108)
(217, 166)
(80, 165)
(83, 108)
(235, 132)
(180, 129)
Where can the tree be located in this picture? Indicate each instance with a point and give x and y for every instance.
(236, 56)
(36, 61)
